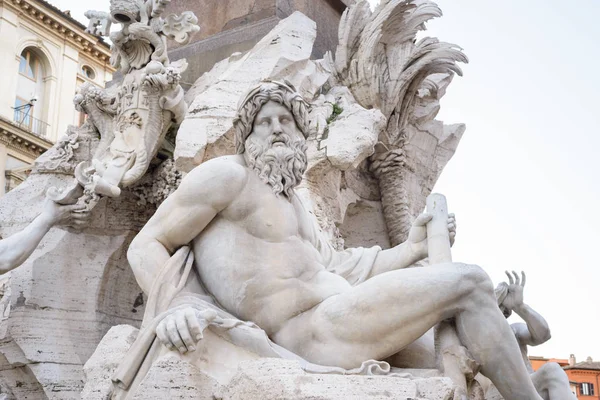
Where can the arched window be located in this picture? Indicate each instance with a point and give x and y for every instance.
(88, 72)
(30, 104)
(30, 65)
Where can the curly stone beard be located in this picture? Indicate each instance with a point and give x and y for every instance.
(281, 167)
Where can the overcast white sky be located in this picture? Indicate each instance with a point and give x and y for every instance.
(524, 182)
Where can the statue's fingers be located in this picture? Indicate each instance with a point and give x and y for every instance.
(423, 219)
(523, 278)
(75, 207)
(194, 325)
(161, 333)
(510, 278)
(77, 223)
(184, 333)
(452, 237)
(174, 335)
(517, 279)
(79, 216)
(451, 227)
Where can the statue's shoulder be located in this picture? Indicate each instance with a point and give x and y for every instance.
(233, 164)
(223, 175)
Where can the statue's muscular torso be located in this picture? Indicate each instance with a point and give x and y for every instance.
(258, 258)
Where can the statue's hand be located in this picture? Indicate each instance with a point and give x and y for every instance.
(74, 215)
(183, 329)
(417, 237)
(514, 298)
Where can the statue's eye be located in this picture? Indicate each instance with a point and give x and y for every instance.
(264, 122)
(285, 120)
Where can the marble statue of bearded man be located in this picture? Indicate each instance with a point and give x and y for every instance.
(258, 254)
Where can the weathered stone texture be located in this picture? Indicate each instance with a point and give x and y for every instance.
(105, 360)
(72, 289)
(237, 25)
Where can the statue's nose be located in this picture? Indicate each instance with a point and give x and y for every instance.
(277, 128)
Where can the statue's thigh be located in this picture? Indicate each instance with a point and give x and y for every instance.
(376, 319)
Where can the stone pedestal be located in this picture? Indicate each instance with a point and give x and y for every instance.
(229, 26)
(172, 377)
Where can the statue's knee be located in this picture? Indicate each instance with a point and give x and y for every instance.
(476, 278)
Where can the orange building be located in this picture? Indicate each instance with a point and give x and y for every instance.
(584, 377)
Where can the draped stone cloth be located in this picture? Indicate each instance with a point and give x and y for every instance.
(178, 286)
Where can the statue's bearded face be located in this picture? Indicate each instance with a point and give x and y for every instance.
(276, 148)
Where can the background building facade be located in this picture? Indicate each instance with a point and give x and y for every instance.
(45, 55)
(584, 377)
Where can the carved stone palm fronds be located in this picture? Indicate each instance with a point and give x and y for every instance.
(428, 57)
(379, 60)
(377, 57)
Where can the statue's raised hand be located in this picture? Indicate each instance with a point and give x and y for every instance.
(417, 237)
(183, 329)
(514, 298)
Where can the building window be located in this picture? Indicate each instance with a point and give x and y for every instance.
(29, 65)
(88, 72)
(586, 389)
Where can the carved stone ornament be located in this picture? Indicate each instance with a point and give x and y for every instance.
(180, 28)
(132, 118)
(99, 24)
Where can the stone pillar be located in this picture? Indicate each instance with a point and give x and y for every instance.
(63, 113)
(229, 26)
(3, 160)
(51, 115)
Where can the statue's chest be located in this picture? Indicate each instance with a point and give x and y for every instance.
(269, 217)
(272, 219)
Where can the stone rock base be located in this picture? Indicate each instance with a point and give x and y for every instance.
(264, 379)
(276, 379)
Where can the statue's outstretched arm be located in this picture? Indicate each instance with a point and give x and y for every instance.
(203, 193)
(15, 249)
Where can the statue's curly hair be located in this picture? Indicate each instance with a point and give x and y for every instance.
(279, 92)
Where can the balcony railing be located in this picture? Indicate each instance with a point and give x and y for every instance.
(33, 125)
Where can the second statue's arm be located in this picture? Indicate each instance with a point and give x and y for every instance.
(413, 249)
(535, 330)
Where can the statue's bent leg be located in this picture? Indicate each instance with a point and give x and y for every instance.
(552, 382)
(381, 316)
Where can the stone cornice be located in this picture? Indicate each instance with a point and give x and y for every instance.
(21, 140)
(44, 14)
